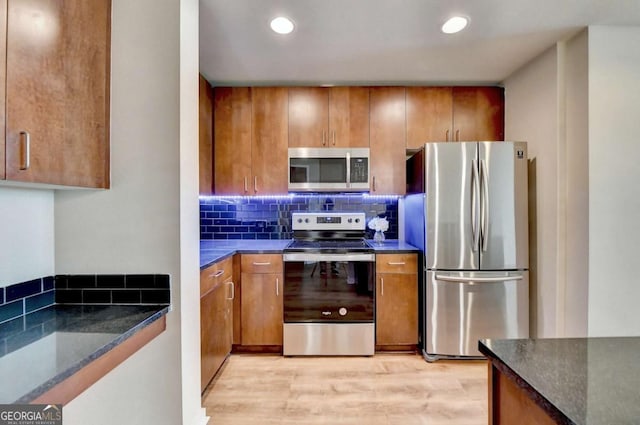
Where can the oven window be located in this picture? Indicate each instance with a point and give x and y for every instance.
(329, 291)
(317, 170)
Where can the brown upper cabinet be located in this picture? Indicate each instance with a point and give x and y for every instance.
(328, 117)
(429, 115)
(269, 141)
(250, 140)
(478, 113)
(387, 149)
(450, 114)
(205, 136)
(232, 140)
(56, 103)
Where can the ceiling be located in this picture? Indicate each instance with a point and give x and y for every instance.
(388, 41)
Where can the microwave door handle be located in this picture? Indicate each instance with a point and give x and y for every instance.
(348, 169)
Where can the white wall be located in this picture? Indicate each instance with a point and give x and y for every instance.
(192, 413)
(531, 115)
(145, 222)
(26, 235)
(576, 293)
(614, 176)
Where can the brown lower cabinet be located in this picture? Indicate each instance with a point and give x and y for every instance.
(262, 300)
(510, 404)
(396, 301)
(217, 292)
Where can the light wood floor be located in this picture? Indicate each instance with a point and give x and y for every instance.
(385, 389)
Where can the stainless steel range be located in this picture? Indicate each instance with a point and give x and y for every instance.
(329, 286)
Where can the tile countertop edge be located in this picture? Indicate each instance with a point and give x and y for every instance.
(51, 384)
(542, 402)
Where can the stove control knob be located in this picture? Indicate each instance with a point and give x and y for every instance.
(357, 220)
(349, 220)
(299, 220)
(306, 220)
(342, 311)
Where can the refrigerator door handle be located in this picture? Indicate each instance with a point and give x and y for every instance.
(484, 205)
(475, 197)
(477, 279)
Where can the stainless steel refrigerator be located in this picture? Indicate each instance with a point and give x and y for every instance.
(471, 221)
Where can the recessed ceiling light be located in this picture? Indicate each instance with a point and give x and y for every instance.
(282, 25)
(455, 24)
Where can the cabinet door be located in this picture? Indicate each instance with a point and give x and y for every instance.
(216, 330)
(261, 309)
(308, 117)
(57, 92)
(205, 136)
(397, 309)
(387, 146)
(232, 140)
(269, 141)
(3, 75)
(478, 113)
(348, 117)
(429, 115)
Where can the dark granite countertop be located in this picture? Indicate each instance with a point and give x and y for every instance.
(392, 246)
(582, 381)
(214, 250)
(43, 348)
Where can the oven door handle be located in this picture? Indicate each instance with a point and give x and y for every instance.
(353, 256)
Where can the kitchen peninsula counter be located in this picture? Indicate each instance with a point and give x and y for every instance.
(52, 355)
(214, 250)
(581, 381)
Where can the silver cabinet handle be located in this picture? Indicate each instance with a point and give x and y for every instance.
(374, 183)
(255, 184)
(233, 291)
(382, 286)
(262, 264)
(475, 195)
(477, 279)
(25, 139)
(334, 137)
(457, 135)
(323, 138)
(484, 205)
(277, 287)
(217, 274)
(245, 185)
(396, 263)
(446, 135)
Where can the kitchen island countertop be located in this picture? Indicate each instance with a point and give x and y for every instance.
(40, 351)
(582, 381)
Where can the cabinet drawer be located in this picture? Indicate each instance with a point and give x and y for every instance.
(261, 263)
(215, 274)
(397, 263)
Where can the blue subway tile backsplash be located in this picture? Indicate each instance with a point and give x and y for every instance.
(24, 289)
(270, 217)
(113, 289)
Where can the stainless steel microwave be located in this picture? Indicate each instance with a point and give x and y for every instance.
(328, 169)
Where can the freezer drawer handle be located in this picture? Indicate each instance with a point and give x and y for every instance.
(477, 279)
(396, 263)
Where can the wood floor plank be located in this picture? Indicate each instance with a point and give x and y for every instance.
(386, 389)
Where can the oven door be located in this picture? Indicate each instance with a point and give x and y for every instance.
(329, 288)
